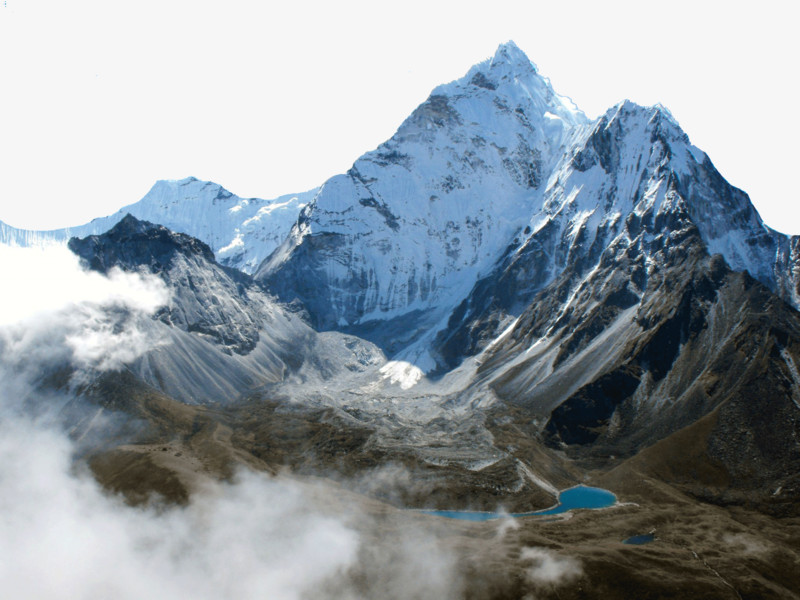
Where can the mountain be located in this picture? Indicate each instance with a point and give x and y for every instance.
(489, 192)
(406, 232)
(631, 186)
(687, 349)
(252, 367)
(504, 300)
(502, 251)
(242, 232)
(621, 292)
(220, 335)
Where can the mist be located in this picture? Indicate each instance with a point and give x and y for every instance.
(63, 536)
(56, 313)
(547, 567)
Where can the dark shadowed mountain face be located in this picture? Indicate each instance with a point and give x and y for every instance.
(624, 365)
(220, 334)
(206, 298)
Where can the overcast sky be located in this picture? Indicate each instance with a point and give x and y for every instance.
(99, 99)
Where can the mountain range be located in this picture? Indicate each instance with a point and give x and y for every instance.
(504, 299)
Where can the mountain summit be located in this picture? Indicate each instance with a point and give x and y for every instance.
(408, 230)
(495, 171)
(510, 66)
(242, 232)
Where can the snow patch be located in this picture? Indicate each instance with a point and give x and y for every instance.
(237, 242)
(266, 210)
(403, 373)
(535, 479)
(480, 465)
(794, 373)
(504, 333)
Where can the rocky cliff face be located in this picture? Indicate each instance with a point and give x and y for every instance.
(220, 304)
(631, 187)
(221, 335)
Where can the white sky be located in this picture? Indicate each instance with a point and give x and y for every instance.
(98, 99)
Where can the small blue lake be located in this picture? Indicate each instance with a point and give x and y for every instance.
(639, 540)
(578, 497)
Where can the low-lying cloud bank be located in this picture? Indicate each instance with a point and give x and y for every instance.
(55, 313)
(547, 567)
(50, 280)
(62, 536)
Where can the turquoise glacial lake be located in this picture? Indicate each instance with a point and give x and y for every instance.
(578, 497)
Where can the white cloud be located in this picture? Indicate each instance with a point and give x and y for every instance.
(745, 544)
(62, 536)
(54, 311)
(548, 567)
(47, 280)
(505, 525)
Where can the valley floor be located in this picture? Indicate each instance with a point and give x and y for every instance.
(700, 550)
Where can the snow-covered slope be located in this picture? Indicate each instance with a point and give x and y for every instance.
(414, 223)
(496, 169)
(631, 179)
(242, 232)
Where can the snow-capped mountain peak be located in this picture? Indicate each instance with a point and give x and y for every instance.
(414, 223)
(493, 166)
(510, 54)
(242, 232)
(511, 78)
